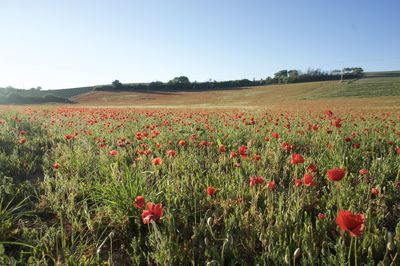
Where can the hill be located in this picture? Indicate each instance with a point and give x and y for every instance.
(383, 92)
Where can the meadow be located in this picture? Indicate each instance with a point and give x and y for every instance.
(222, 186)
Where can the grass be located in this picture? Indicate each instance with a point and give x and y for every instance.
(68, 199)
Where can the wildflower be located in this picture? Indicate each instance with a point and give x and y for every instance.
(113, 152)
(308, 180)
(353, 223)
(336, 174)
(211, 191)
(56, 166)
(157, 161)
(139, 202)
(153, 213)
(297, 159)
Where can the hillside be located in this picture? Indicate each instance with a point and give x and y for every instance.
(378, 91)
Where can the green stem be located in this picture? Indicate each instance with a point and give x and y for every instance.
(355, 252)
(349, 255)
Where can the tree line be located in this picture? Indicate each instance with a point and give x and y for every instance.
(281, 77)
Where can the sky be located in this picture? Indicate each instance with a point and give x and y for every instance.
(74, 43)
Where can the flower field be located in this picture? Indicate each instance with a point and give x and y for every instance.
(90, 186)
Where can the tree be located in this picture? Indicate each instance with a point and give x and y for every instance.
(116, 84)
(180, 80)
(293, 73)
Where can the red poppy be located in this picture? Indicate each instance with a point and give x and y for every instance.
(22, 132)
(139, 202)
(211, 191)
(297, 182)
(337, 123)
(114, 152)
(157, 161)
(312, 168)
(256, 180)
(336, 174)
(398, 151)
(233, 155)
(243, 151)
(22, 140)
(222, 148)
(363, 171)
(374, 191)
(256, 157)
(328, 114)
(308, 180)
(353, 223)
(68, 137)
(171, 153)
(321, 216)
(182, 143)
(153, 213)
(56, 166)
(271, 185)
(297, 159)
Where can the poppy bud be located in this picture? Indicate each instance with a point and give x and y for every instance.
(296, 253)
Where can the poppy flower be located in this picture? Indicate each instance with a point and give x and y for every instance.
(243, 151)
(308, 180)
(233, 155)
(363, 171)
(297, 159)
(56, 166)
(171, 153)
(321, 216)
(353, 223)
(271, 185)
(22, 132)
(222, 148)
(336, 174)
(338, 123)
(22, 140)
(68, 137)
(297, 182)
(256, 157)
(211, 191)
(398, 151)
(157, 161)
(153, 213)
(139, 202)
(113, 152)
(374, 191)
(182, 143)
(312, 168)
(256, 180)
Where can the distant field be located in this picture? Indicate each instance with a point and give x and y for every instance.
(374, 92)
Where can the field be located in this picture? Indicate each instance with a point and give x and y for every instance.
(367, 93)
(277, 175)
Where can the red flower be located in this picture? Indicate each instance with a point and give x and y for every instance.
(114, 152)
(363, 171)
(374, 191)
(182, 143)
(271, 185)
(256, 157)
(157, 161)
(297, 182)
(328, 114)
(276, 135)
(233, 155)
(338, 123)
(68, 137)
(297, 159)
(312, 168)
(56, 166)
(211, 191)
(336, 174)
(153, 213)
(243, 151)
(22, 132)
(321, 216)
(171, 153)
(139, 202)
(308, 180)
(353, 223)
(256, 180)
(22, 140)
(222, 148)
(398, 151)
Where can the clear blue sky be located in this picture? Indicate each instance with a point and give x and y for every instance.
(58, 44)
